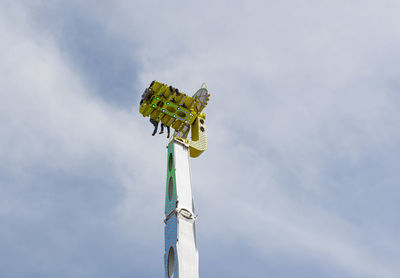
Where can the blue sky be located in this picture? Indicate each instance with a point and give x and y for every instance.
(301, 175)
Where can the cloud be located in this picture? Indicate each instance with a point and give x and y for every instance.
(69, 166)
(302, 129)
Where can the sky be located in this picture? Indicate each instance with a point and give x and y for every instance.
(301, 175)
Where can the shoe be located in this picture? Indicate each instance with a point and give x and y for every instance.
(153, 134)
(161, 132)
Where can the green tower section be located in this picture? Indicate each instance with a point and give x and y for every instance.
(170, 194)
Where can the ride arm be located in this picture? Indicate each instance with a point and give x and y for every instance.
(198, 142)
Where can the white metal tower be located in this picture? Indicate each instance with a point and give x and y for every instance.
(166, 104)
(181, 255)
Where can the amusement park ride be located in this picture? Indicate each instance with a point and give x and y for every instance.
(165, 104)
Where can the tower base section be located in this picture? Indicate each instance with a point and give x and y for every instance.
(181, 257)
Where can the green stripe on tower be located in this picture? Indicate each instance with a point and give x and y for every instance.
(170, 189)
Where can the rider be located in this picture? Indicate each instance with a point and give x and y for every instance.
(162, 129)
(155, 123)
(147, 95)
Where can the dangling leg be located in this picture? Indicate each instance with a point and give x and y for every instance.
(155, 128)
(162, 128)
(168, 131)
(155, 123)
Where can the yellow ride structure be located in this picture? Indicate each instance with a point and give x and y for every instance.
(183, 113)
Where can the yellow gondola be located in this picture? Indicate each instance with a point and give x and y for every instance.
(173, 108)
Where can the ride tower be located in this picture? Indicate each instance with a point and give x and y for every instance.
(173, 108)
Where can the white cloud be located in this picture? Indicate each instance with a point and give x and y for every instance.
(300, 104)
(50, 119)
